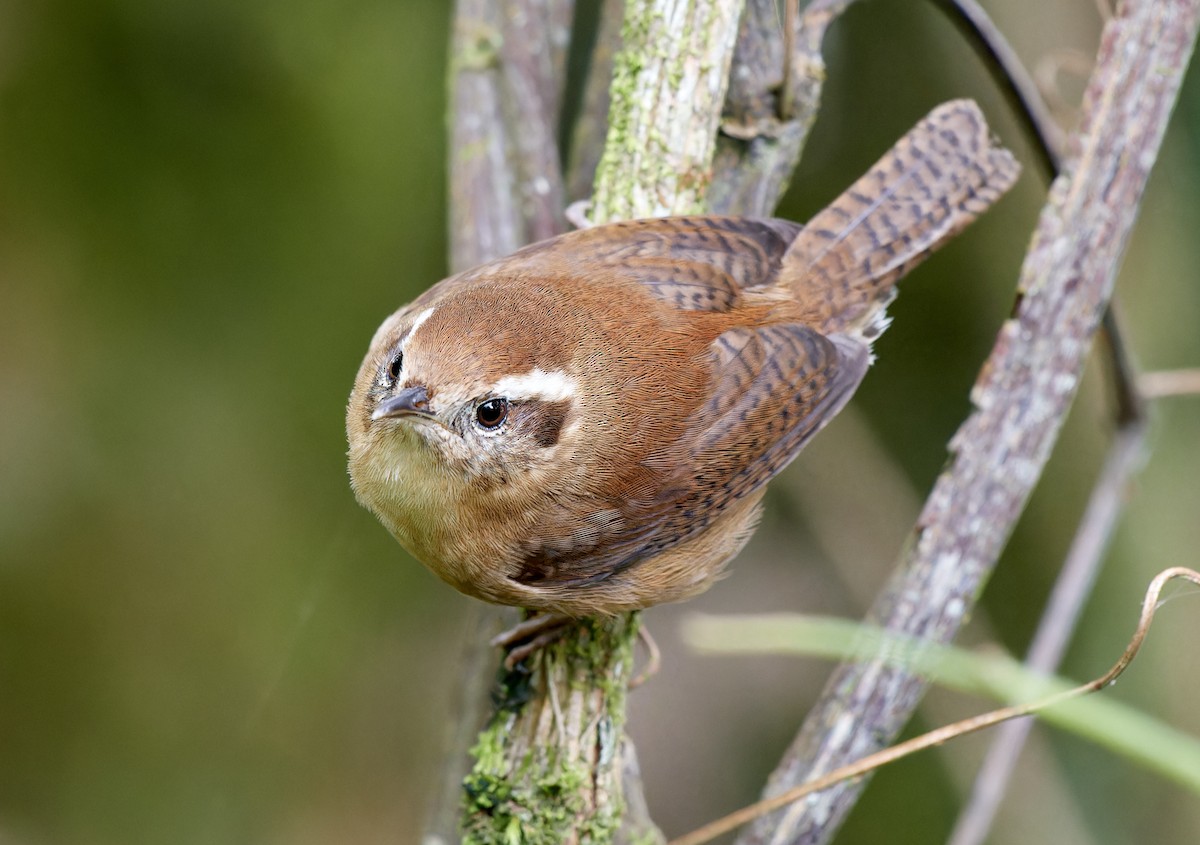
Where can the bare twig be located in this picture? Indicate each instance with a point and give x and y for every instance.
(1164, 383)
(587, 137)
(1022, 396)
(774, 94)
(1012, 77)
(1071, 589)
(858, 768)
(534, 38)
(505, 180)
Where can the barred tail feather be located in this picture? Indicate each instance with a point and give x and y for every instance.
(844, 264)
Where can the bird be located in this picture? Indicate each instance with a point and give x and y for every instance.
(587, 426)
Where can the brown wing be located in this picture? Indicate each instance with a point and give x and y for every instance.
(693, 263)
(772, 389)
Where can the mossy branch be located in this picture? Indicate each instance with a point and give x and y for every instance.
(551, 765)
(547, 767)
(667, 95)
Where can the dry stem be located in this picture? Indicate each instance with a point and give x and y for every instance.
(870, 763)
(550, 766)
(1021, 396)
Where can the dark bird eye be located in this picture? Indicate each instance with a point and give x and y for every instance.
(492, 412)
(396, 365)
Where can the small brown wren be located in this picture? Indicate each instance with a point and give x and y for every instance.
(587, 426)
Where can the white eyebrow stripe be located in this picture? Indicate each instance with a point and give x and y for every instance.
(421, 318)
(537, 384)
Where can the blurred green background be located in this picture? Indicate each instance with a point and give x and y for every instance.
(205, 210)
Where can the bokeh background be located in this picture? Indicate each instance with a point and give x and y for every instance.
(206, 207)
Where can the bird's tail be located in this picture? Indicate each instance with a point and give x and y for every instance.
(845, 262)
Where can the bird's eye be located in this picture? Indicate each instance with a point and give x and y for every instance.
(396, 365)
(491, 413)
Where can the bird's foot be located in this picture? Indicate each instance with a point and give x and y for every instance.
(653, 659)
(526, 638)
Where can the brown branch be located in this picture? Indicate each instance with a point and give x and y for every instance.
(587, 137)
(773, 100)
(533, 58)
(506, 63)
(1071, 589)
(1021, 396)
(1077, 577)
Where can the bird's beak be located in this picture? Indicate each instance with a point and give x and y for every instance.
(410, 400)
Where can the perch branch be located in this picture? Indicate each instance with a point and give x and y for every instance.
(490, 216)
(506, 189)
(1021, 398)
(554, 765)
